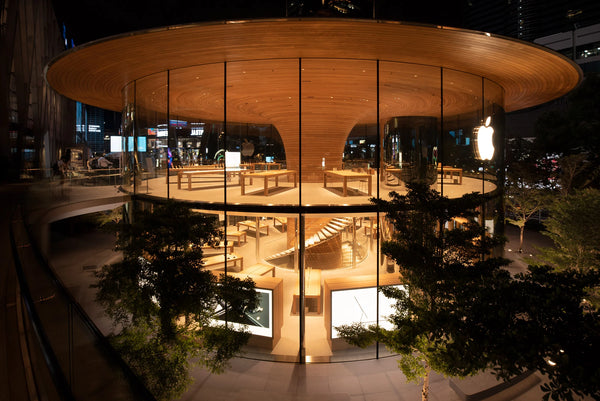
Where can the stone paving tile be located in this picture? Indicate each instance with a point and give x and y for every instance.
(313, 385)
(375, 383)
(248, 382)
(383, 396)
(349, 385)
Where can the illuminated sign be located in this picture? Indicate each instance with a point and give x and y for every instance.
(484, 145)
(197, 129)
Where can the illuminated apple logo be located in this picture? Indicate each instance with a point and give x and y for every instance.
(484, 139)
(247, 148)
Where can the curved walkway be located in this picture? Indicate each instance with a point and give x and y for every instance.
(13, 373)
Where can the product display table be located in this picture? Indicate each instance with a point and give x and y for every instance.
(265, 166)
(218, 248)
(252, 224)
(259, 269)
(266, 175)
(345, 175)
(450, 171)
(191, 173)
(217, 260)
(238, 235)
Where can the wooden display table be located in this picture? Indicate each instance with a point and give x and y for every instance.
(217, 260)
(345, 175)
(190, 173)
(177, 170)
(450, 171)
(252, 224)
(259, 269)
(282, 221)
(312, 292)
(238, 235)
(220, 247)
(265, 166)
(266, 175)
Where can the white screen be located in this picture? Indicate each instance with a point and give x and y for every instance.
(360, 306)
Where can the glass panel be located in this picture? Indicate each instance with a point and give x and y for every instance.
(270, 258)
(494, 168)
(493, 108)
(262, 132)
(339, 108)
(462, 113)
(117, 142)
(93, 377)
(410, 115)
(196, 112)
(348, 264)
(149, 151)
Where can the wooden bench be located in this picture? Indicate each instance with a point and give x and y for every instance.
(450, 171)
(220, 247)
(190, 174)
(216, 260)
(266, 175)
(259, 269)
(238, 235)
(282, 221)
(252, 224)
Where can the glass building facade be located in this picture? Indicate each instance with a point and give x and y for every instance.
(288, 154)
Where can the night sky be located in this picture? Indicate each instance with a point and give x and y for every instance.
(87, 20)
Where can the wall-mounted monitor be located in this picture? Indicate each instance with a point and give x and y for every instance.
(259, 321)
(359, 305)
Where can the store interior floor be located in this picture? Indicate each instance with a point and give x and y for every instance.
(210, 189)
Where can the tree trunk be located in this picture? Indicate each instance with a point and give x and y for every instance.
(425, 389)
(522, 229)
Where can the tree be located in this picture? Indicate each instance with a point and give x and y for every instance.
(463, 312)
(568, 225)
(551, 329)
(572, 167)
(437, 266)
(530, 179)
(522, 203)
(576, 246)
(162, 301)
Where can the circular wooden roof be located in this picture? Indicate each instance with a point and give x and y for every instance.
(96, 73)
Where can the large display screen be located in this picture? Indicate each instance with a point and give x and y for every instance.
(360, 306)
(117, 145)
(259, 321)
(233, 160)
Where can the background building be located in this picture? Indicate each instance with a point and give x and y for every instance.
(35, 122)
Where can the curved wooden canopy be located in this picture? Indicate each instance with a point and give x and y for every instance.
(96, 73)
(330, 63)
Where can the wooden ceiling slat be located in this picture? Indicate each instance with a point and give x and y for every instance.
(95, 73)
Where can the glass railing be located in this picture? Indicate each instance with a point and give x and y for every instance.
(70, 357)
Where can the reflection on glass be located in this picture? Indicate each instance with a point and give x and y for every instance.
(410, 107)
(127, 123)
(411, 149)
